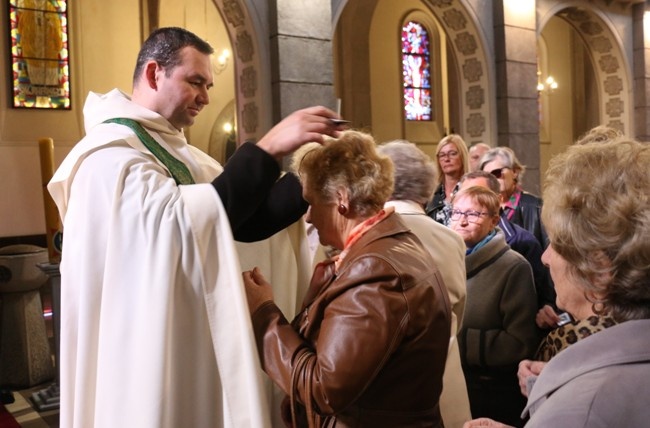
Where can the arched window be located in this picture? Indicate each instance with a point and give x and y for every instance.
(416, 72)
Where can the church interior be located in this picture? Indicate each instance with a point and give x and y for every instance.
(532, 75)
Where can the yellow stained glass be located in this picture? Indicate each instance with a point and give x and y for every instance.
(39, 50)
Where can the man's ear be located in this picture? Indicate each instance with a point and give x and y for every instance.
(151, 74)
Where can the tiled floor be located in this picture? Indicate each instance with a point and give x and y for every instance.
(22, 408)
(25, 413)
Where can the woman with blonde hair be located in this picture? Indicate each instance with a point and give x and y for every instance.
(452, 159)
(368, 347)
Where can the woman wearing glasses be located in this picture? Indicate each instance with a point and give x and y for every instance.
(521, 208)
(498, 328)
(452, 161)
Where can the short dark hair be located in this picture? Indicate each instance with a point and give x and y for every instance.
(163, 46)
(492, 181)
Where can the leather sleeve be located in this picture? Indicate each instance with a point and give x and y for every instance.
(257, 203)
(360, 329)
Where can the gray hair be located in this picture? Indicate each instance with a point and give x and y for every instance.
(507, 157)
(415, 172)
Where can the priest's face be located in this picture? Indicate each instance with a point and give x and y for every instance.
(182, 92)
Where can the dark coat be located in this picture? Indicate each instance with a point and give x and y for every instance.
(529, 216)
(524, 242)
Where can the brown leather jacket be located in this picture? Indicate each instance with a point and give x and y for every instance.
(368, 348)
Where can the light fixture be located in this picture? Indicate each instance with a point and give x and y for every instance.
(221, 62)
(547, 85)
(227, 127)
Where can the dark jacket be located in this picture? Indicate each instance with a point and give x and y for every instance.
(257, 203)
(368, 348)
(529, 216)
(437, 208)
(524, 242)
(498, 329)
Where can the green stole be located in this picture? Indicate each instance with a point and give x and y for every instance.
(178, 170)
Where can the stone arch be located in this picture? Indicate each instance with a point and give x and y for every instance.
(474, 69)
(250, 53)
(474, 72)
(613, 72)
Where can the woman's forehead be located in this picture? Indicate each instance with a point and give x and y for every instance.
(465, 200)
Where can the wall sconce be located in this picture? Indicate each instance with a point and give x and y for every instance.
(221, 62)
(549, 85)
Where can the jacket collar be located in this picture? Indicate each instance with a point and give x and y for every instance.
(391, 225)
(406, 207)
(628, 342)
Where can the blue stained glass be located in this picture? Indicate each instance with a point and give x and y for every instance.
(416, 72)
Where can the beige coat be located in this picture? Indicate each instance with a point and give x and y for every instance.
(448, 251)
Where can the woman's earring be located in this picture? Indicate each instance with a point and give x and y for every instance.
(343, 210)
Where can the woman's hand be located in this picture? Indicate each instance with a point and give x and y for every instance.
(258, 290)
(547, 318)
(484, 422)
(528, 369)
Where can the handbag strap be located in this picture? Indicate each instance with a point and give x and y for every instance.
(180, 173)
(303, 371)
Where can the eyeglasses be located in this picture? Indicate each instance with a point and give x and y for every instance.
(498, 173)
(471, 216)
(450, 154)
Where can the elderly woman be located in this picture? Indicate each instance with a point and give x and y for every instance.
(597, 212)
(414, 183)
(499, 328)
(453, 161)
(519, 207)
(369, 346)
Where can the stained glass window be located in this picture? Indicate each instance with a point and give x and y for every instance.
(416, 72)
(39, 54)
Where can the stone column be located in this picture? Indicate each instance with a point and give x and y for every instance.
(641, 46)
(516, 69)
(301, 55)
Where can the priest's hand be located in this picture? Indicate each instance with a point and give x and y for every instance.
(258, 290)
(300, 127)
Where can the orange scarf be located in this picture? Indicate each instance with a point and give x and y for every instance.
(360, 230)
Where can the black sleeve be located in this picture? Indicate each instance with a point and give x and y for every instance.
(256, 202)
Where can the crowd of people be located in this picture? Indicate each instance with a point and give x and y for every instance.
(440, 294)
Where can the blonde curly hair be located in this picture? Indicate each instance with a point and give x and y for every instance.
(597, 212)
(351, 162)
